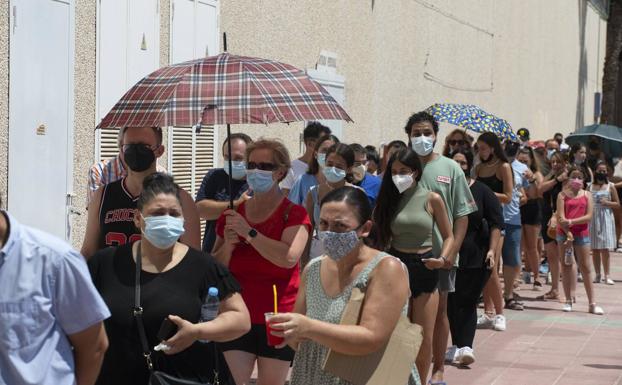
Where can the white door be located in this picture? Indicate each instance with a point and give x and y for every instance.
(194, 34)
(41, 113)
(128, 49)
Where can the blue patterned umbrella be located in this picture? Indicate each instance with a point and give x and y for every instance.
(472, 118)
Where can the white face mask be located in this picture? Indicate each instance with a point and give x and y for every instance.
(422, 145)
(402, 182)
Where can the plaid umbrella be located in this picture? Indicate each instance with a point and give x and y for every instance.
(471, 117)
(223, 89)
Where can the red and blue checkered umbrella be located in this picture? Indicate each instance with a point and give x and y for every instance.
(223, 89)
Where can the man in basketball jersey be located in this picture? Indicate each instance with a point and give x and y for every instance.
(111, 211)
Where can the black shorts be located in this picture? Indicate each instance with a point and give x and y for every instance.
(422, 279)
(256, 342)
(531, 212)
(546, 217)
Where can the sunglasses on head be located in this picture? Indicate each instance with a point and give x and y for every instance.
(459, 142)
(263, 166)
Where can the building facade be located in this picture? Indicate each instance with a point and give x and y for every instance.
(64, 63)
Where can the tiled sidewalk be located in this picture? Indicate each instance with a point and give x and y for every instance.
(543, 345)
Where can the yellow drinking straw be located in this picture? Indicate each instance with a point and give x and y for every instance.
(274, 292)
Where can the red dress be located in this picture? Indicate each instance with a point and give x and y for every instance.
(256, 274)
(575, 208)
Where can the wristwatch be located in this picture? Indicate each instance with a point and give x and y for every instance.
(252, 233)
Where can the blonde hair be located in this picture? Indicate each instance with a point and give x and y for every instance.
(280, 155)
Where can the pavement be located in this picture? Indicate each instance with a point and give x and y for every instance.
(543, 345)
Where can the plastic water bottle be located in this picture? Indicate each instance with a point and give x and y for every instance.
(568, 256)
(209, 309)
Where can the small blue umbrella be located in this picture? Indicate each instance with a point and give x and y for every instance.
(472, 118)
(610, 138)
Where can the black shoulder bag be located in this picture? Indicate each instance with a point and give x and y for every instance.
(155, 377)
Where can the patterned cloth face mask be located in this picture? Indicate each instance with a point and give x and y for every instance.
(338, 245)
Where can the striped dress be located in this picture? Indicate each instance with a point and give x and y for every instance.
(602, 227)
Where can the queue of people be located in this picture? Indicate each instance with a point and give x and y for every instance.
(425, 234)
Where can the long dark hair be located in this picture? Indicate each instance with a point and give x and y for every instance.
(468, 155)
(389, 196)
(314, 166)
(492, 140)
(583, 166)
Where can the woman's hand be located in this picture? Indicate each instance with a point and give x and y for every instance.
(291, 326)
(564, 222)
(490, 259)
(186, 335)
(434, 263)
(235, 222)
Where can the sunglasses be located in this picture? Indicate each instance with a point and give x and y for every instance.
(263, 166)
(462, 163)
(456, 142)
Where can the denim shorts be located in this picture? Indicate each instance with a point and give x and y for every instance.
(578, 241)
(511, 245)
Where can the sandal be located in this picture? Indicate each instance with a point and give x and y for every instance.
(537, 286)
(549, 295)
(513, 304)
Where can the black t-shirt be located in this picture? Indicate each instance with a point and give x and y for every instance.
(549, 199)
(215, 186)
(489, 214)
(116, 216)
(179, 291)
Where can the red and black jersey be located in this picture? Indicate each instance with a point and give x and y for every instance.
(116, 216)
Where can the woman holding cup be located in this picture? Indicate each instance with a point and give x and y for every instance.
(313, 328)
(261, 242)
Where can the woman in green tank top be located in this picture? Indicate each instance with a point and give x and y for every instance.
(406, 214)
(327, 282)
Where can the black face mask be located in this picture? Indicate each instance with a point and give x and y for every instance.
(138, 157)
(467, 174)
(600, 177)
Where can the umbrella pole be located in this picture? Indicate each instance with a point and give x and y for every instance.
(230, 167)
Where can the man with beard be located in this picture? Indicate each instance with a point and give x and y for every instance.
(111, 210)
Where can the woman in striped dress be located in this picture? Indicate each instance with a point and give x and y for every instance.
(602, 227)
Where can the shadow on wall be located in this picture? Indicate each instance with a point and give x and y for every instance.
(582, 75)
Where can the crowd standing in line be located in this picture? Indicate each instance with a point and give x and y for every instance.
(429, 231)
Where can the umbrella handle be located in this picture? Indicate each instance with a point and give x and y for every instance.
(224, 41)
(229, 179)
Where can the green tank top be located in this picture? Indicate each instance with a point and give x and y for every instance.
(412, 226)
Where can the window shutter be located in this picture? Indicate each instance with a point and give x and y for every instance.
(108, 148)
(192, 156)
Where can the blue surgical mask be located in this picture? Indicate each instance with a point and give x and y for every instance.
(259, 181)
(338, 245)
(321, 160)
(422, 145)
(164, 230)
(238, 169)
(334, 174)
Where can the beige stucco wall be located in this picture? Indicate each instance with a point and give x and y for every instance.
(519, 59)
(536, 63)
(4, 101)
